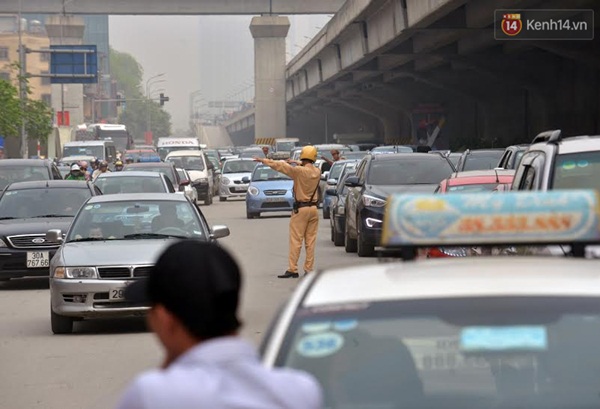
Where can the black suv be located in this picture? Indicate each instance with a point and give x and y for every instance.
(25, 170)
(378, 176)
(27, 211)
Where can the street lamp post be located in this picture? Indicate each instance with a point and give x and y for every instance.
(149, 82)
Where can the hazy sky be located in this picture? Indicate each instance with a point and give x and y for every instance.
(212, 54)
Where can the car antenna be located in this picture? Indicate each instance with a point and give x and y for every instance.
(497, 177)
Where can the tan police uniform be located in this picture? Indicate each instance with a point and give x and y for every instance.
(304, 222)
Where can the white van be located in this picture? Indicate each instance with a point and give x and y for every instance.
(168, 145)
(102, 150)
(200, 170)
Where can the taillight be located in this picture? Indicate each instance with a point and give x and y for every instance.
(439, 252)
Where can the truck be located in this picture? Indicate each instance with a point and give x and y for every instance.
(171, 144)
(283, 147)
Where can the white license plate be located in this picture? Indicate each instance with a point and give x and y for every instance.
(276, 200)
(240, 189)
(116, 293)
(38, 259)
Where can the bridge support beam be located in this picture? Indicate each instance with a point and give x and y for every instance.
(269, 34)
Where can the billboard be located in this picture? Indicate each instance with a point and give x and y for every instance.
(73, 64)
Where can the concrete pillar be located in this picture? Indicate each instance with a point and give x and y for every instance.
(269, 34)
(67, 30)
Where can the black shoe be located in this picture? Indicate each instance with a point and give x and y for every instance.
(288, 274)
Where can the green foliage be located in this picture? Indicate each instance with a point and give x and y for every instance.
(11, 113)
(137, 114)
(36, 114)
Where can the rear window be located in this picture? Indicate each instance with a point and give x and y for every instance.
(577, 171)
(481, 161)
(484, 187)
(408, 171)
(133, 184)
(11, 174)
(514, 352)
(30, 203)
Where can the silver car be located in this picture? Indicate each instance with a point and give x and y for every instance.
(235, 178)
(114, 240)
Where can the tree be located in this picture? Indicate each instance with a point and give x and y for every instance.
(139, 111)
(36, 114)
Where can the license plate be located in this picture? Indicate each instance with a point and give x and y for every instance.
(116, 293)
(38, 259)
(240, 189)
(275, 200)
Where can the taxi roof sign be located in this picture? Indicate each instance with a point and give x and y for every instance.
(512, 218)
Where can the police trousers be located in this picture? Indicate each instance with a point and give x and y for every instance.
(303, 229)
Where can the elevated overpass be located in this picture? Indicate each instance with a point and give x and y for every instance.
(388, 65)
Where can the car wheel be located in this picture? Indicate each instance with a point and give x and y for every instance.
(364, 249)
(338, 237)
(208, 199)
(326, 213)
(331, 230)
(60, 324)
(349, 243)
(251, 215)
(222, 199)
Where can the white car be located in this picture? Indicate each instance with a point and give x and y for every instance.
(501, 332)
(200, 170)
(235, 177)
(189, 191)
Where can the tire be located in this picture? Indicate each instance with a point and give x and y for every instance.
(349, 244)
(364, 249)
(222, 199)
(331, 230)
(60, 324)
(338, 237)
(208, 200)
(326, 213)
(250, 215)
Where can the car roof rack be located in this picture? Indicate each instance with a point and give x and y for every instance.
(413, 222)
(552, 136)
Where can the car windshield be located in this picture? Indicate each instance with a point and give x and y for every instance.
(262, 173)
(239, 166)
(159, 169)
(95, 151)
(409, 171)
(482, 161)
(355, 155)
(49, 202)
(285, 146)
(250, 153)
(187, 162)
(11, 174)
(577, 171)
(130, 184)
(462, 353)
(136, 219)
(473, 188)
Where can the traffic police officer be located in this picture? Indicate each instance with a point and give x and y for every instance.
(305, 217)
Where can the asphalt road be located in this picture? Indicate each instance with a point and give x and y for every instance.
(90, 368)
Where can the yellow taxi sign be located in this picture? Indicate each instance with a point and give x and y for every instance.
(555, 217)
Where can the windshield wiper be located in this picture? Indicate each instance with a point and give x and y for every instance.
(151, 236)
(88, 239)
(8, 218)
(51, 215)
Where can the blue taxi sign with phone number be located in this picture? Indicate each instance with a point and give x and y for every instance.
(555, 217)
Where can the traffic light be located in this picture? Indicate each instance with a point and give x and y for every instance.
(163, 99)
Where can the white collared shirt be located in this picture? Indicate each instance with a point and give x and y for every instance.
(223, 373)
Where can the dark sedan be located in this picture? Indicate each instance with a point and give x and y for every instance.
(27, 211)
(378, 176)
(25, 170)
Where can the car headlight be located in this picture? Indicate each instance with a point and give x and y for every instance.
(371, 222)
(253, 191)
(75, 272)
(2, 243)
(224, 180)
(201, 181)
(372, 201)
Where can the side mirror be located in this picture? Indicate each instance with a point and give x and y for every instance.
(219, 231)
(184, 182)
(325, 175)
(331, 192)
(54, 235)
(352, 181)
(332, 182)
(218, 171)
(246, 179)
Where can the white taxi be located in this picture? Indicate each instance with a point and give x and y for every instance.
(484, 332)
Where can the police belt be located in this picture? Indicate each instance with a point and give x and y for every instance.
(305, 204)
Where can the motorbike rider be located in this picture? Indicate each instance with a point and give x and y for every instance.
(75, 173)
(102, 168)
(118, 165)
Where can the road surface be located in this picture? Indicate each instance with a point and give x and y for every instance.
(90, 368)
